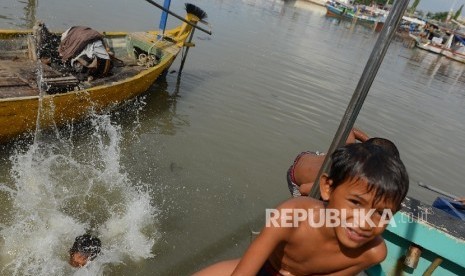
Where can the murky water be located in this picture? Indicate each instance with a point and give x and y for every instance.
(188, 170)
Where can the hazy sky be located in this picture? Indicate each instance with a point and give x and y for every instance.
(440, 5)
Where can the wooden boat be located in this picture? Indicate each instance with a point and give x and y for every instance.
(141, 58)
(448, 43)
(423, 240)
(345, 11)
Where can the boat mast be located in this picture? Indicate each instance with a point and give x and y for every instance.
(163, 18)
(363, 86)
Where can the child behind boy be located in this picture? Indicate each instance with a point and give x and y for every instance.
(304, 170)
(363, 179)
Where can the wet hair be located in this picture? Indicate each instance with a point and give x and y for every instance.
(379, 165)
(86, 244)
(385, 144)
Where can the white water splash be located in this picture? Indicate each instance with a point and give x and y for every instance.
(60, 191)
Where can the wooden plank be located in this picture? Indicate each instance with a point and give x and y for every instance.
(4, 74)
(6, 82)
(13, 83)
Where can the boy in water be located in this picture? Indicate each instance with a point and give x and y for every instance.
(85, 248)
(363, 179)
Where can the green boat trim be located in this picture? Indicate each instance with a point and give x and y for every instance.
(440, 236)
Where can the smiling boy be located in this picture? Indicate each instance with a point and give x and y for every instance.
(364, 178)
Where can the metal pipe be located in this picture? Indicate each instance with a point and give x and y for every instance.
(429, 271)
(363, 86)
(178, 17)
(434, 189)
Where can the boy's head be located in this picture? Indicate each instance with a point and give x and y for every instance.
(84, 249)
(385, 144)
(375, 161)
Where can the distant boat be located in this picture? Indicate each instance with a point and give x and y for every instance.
(141, 58)
(450, 44)
(362, 15)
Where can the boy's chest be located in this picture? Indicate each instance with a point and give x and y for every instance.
(310, 258)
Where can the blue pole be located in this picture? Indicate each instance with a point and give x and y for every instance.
(164, 18)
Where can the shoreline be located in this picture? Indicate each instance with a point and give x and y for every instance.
(317, 2)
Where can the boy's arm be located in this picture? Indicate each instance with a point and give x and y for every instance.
(356, 134)
(360, 135)
(262, 247)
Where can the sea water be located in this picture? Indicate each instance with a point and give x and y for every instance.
(60, 190)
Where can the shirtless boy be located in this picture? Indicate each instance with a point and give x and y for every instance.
(364, 178)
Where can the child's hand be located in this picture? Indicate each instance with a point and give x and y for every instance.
(305, 188)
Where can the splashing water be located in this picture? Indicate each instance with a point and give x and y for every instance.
(60, 191)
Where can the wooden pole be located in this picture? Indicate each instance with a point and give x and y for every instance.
(187, 51)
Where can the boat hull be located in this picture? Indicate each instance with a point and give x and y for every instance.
(430, 234)
(345, 13)
(454, 55)
(19, 115)
(439, 49)
(442, 51)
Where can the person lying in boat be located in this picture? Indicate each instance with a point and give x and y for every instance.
(363, 179)
(79, 50)
(305, 168)
(86, 52)
(85, 248)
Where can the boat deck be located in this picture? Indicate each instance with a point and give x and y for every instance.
(17, 79)
(18, 76)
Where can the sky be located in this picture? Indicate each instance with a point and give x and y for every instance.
(440, 5)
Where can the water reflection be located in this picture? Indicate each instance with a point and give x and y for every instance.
(30, 11)
(160, 114)
(277, 6)
(437, 67)
(23, 18)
